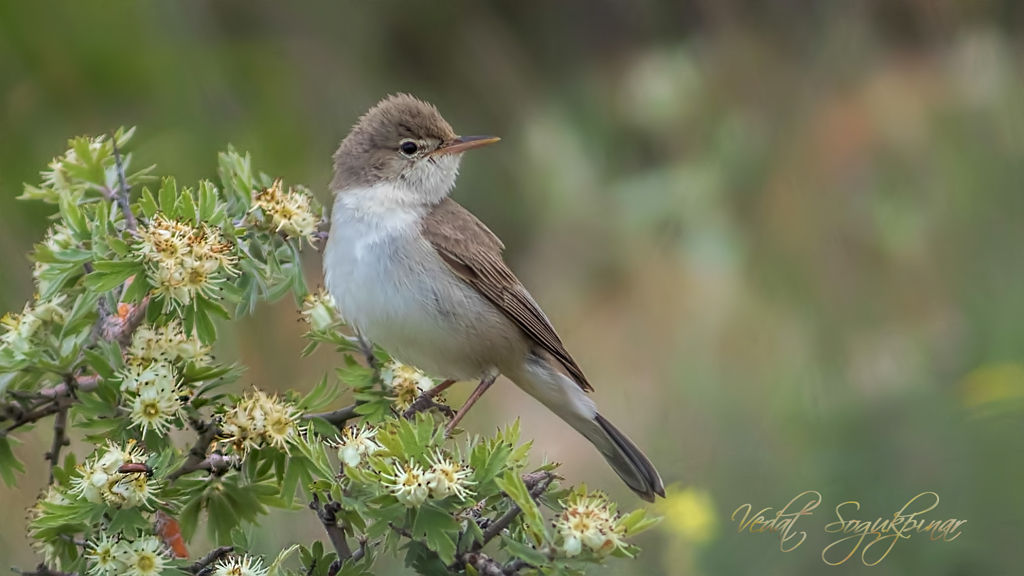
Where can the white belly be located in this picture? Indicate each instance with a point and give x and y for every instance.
(390, 284)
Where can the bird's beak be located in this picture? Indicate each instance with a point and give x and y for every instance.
(462, 143)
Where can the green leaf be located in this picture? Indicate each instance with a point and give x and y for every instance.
(221, 519)
(9, 463)
(148, 204)
(110, 274)
(73, 216)
(127, 520)
(512, 484)
(99, 363)
(187, 206)
(524, 552)
(207, 200)
(188, 519)
(205, 328)
(137, 290)
(637, 521)
(169, 197)
(119, 246)
(320, 396)
(439, 528)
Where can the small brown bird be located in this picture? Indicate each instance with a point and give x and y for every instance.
(418, 274)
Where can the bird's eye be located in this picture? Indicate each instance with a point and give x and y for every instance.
(408, 147)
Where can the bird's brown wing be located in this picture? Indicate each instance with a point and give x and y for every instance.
(474, 254)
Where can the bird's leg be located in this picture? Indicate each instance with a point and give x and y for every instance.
(485, 383)
(439, 388)
(426, 401)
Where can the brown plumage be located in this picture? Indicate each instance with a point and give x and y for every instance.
(424, 278)
(474, 254)
(366, 156)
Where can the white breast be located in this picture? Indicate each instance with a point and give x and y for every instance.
(390, 284)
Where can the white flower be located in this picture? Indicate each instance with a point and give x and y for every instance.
(408, 485)
(319, 310)
(589, 521)
(405, 383)
(155, 407)
(103, 556)
(167, 343)
(356, 443)
(240, 566)
(99, 480)
(143, 557)
(22, 327)
(183, 260)
(137, 375)
(289, 212)
(260, 419)
(447, 477)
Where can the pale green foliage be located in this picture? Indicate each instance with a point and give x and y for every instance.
(126, 317)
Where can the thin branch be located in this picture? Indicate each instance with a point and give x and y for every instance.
(363, 546)
(208, 432)
(425, 402)
(204, 563)
(337, 417)
(515, 566)
(86, 383)
(484, 564)
(60, 439)
(328, 515)
(121, 194)
(46, 401)
(401, 531)
(366, 347)
(116, 328)
(505, 519)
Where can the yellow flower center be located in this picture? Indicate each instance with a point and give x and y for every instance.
(145, 563)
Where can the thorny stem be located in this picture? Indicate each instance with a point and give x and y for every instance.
(337, 417)
(328, 515)
(197, 459)
(203, 565)
(60, 439)
(121, 194)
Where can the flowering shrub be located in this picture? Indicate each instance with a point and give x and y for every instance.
(116, 349)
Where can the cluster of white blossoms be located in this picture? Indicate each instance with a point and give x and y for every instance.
(22, 327)
(258, 419)
(240, 566)
(290, 212)
(149, 379)
(100, 482)
(183, 260)
(356, 443)
(405, 383)
(319, 310)
(151, 395)
(590, 521)
(168, 343)
(144, 556)
(412, 485)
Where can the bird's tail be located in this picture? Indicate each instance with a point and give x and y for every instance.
(566, 399)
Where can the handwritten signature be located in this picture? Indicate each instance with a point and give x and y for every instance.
(886, 533)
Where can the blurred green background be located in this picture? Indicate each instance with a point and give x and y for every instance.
(784, 238)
